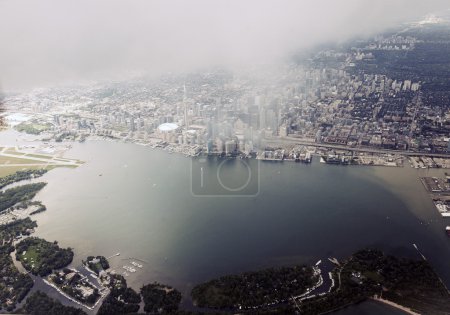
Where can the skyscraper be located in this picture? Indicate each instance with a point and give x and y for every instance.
(186, 124)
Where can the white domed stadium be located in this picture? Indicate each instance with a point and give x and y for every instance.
(167, 127)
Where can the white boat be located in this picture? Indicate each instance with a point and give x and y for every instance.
(129, 269)
(136, 264)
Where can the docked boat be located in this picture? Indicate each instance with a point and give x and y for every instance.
(447, 229)
(136, 264)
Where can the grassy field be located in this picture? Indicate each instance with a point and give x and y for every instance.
(33, 127)
(32, 254)
(15, 153)
(8, 170)
(17, 160)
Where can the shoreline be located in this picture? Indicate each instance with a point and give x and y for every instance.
(395, 305)
(190, 150)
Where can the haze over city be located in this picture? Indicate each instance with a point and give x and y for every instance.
(232, 157)
(56, 42)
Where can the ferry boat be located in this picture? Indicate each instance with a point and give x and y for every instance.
(447, 229)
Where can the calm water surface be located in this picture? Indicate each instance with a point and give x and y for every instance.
(138, 201)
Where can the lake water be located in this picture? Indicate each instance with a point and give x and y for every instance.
(139, 202)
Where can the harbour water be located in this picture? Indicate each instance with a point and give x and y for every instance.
(138, 201)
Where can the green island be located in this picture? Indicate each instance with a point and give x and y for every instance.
(21, 175)
(14, 285)
(121, 299)
(40, 257)
(410, 284)
(12, 196)
(37, 255)
(254, 289)
(368, 273)
(40, 303)
(96, 264)
(159, 298)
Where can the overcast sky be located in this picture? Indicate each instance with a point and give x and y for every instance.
(49, 42)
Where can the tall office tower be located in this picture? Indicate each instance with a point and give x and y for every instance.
(132, 124)
(186, 124)
(262, 118)
(257, 100)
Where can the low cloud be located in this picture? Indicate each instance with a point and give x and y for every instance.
(52, 42)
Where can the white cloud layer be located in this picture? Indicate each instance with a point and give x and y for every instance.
(48, 42)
